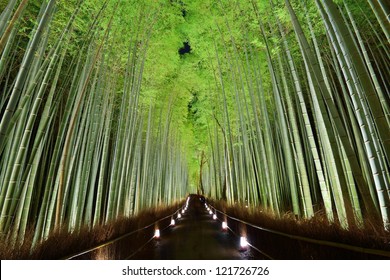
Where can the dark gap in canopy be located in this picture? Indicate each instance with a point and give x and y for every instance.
(183, 9)
(185, 49)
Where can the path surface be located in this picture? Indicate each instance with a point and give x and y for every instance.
(196, 236)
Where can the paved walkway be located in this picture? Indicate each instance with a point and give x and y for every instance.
(196, 236)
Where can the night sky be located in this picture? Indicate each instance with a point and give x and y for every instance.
(185, 49)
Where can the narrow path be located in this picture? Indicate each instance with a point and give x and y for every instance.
(196, 236)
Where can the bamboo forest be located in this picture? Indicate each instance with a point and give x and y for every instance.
(112, 107)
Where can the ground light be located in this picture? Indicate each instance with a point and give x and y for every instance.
(214, 217)
(183, 211)
(173, 222)
(179, 216)
(224, 225)
(243, 243)
(157, 234)
(210, 212)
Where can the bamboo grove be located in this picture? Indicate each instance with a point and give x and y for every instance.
(311, 111)
(279, 104)
(76, 147)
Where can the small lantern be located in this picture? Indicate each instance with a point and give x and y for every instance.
(243, 243)
(224, 225)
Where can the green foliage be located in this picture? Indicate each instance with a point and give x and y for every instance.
(3, 4)
(232, 115)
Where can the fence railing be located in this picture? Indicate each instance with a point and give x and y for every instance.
(362, 250)
(105, 244)
(343, 246)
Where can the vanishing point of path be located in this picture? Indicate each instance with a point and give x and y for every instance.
(196, 236)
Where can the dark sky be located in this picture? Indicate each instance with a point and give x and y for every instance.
(185, 49)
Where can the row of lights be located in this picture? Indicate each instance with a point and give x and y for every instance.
(179, 215)
(211, 212)
(157, 233)
(243, 240)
